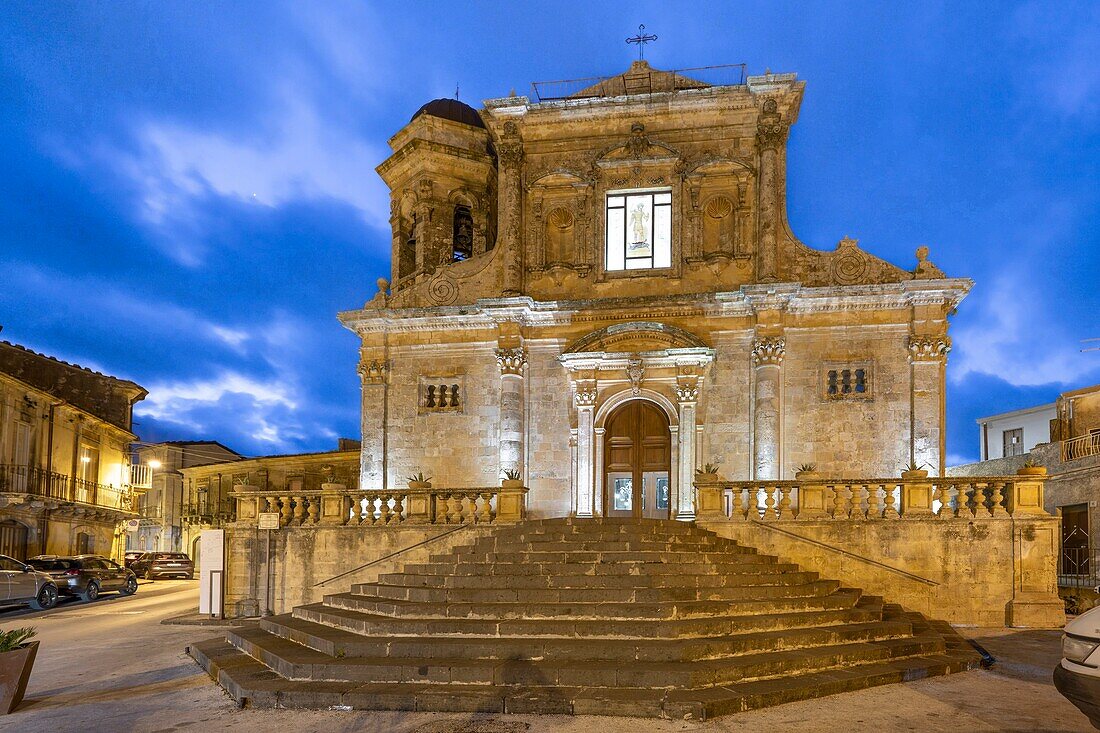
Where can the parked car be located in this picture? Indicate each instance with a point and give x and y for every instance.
(86, 575)
(1077, 676)
(129, 557)
(21, 583)
(164, 565)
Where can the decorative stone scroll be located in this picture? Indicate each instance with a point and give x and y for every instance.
(511, 361)
(768, 351)
(929, 348)
(635, 370)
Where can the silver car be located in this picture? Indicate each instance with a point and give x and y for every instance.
(20, 583)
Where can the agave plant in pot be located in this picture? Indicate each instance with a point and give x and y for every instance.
(17, 653)
(419, 481)
(1032, 467)
(512, 479)
(914, 471)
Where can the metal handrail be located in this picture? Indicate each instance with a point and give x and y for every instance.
(393, 554)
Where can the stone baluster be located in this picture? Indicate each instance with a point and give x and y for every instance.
(840, 502)
(874, 509)
(981, 508)
(855, 501)
(485, 508)
(889, 504)
(384, 508)
(997, 498)
(767, 357)
(769, 503)
(785, 510)
(397, 512)
(286, 510)
(738, 503)
(313, 509)
(944, 496)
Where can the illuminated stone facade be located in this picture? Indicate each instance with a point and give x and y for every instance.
(762, 352)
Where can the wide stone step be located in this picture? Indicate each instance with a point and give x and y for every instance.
(648, 544)
(582, 590)
(589, 610)
(600, 556)
(765, 576)
(252, 684)
(368, 624)
(664, 570)
(297, 662)
(336, 642)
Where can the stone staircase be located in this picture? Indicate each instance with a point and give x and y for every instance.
(583, 616)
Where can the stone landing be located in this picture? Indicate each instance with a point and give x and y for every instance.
(595, 617)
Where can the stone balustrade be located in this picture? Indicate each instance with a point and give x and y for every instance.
(868, 499)
(338, 505)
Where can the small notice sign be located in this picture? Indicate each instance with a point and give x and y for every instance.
(269, 520)
(132, 525)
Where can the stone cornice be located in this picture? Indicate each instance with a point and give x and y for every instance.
(790, 297)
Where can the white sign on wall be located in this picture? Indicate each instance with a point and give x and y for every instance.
(211, 571)
(132, 525)
(268, 520)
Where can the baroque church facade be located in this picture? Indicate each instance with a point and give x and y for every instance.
(600, 294)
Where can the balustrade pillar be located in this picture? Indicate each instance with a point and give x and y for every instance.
(767, 356)
(511, 448)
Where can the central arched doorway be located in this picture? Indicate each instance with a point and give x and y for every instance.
(637, 462)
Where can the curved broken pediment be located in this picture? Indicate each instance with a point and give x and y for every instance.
(636, 337)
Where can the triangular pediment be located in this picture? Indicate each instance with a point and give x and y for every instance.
(636, 337)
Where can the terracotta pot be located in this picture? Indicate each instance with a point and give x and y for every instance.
(15, 670)
(511, 484)
(1031, 471)
(420, 484)
(912, 475)
(807, 475)
(706, 478)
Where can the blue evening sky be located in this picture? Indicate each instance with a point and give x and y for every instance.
(188, 192)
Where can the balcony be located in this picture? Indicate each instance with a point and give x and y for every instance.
(1082, 446)
(213, 513)
(38, 482)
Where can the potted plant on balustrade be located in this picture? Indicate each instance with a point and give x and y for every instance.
(914, 471)
(17, 653)
(806, 472)
(419, 481)
(512, 479)
(707, 474)
(1031, 467)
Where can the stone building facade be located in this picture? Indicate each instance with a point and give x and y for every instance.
(602, 293)
(65, 469)
(165, 504)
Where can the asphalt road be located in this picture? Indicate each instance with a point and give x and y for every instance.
(112, 666)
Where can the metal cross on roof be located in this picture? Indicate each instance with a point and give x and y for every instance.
(641, 39)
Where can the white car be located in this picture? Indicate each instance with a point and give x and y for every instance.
(1077, 677)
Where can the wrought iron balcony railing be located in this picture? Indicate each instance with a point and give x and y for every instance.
(1082, 446)
(36, 481)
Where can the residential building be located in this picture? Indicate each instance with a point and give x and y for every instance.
(164, 505)
(1014, 433)
(65, 434)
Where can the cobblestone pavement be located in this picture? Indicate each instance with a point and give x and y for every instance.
(112, 666)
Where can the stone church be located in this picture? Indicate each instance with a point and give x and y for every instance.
(601, 292)
(597, 303)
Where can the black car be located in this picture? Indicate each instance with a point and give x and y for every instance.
(86, 575)
(130, 556)
(164, 565)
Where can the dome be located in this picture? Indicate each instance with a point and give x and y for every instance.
(453, 110)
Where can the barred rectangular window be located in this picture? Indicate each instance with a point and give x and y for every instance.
(846, 381)
(441, 394)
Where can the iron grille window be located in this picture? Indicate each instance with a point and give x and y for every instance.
(849, 381)
(639, 230)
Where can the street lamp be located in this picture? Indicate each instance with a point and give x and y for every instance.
(155, 464)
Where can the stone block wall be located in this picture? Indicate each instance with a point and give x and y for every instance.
(976, 572)
(725, 406)
(455, 448)
(854, 436)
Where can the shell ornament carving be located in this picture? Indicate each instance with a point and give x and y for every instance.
(719, 208)
(442, 291)
(560, 218)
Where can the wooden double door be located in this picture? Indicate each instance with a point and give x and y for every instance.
(637, 462)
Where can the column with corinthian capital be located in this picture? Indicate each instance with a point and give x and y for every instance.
(585, 401)
(771, 133)
(927, 369)
(372, 455)
(767, 357)
(509, 236)
(687, 395)
(511, 361)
